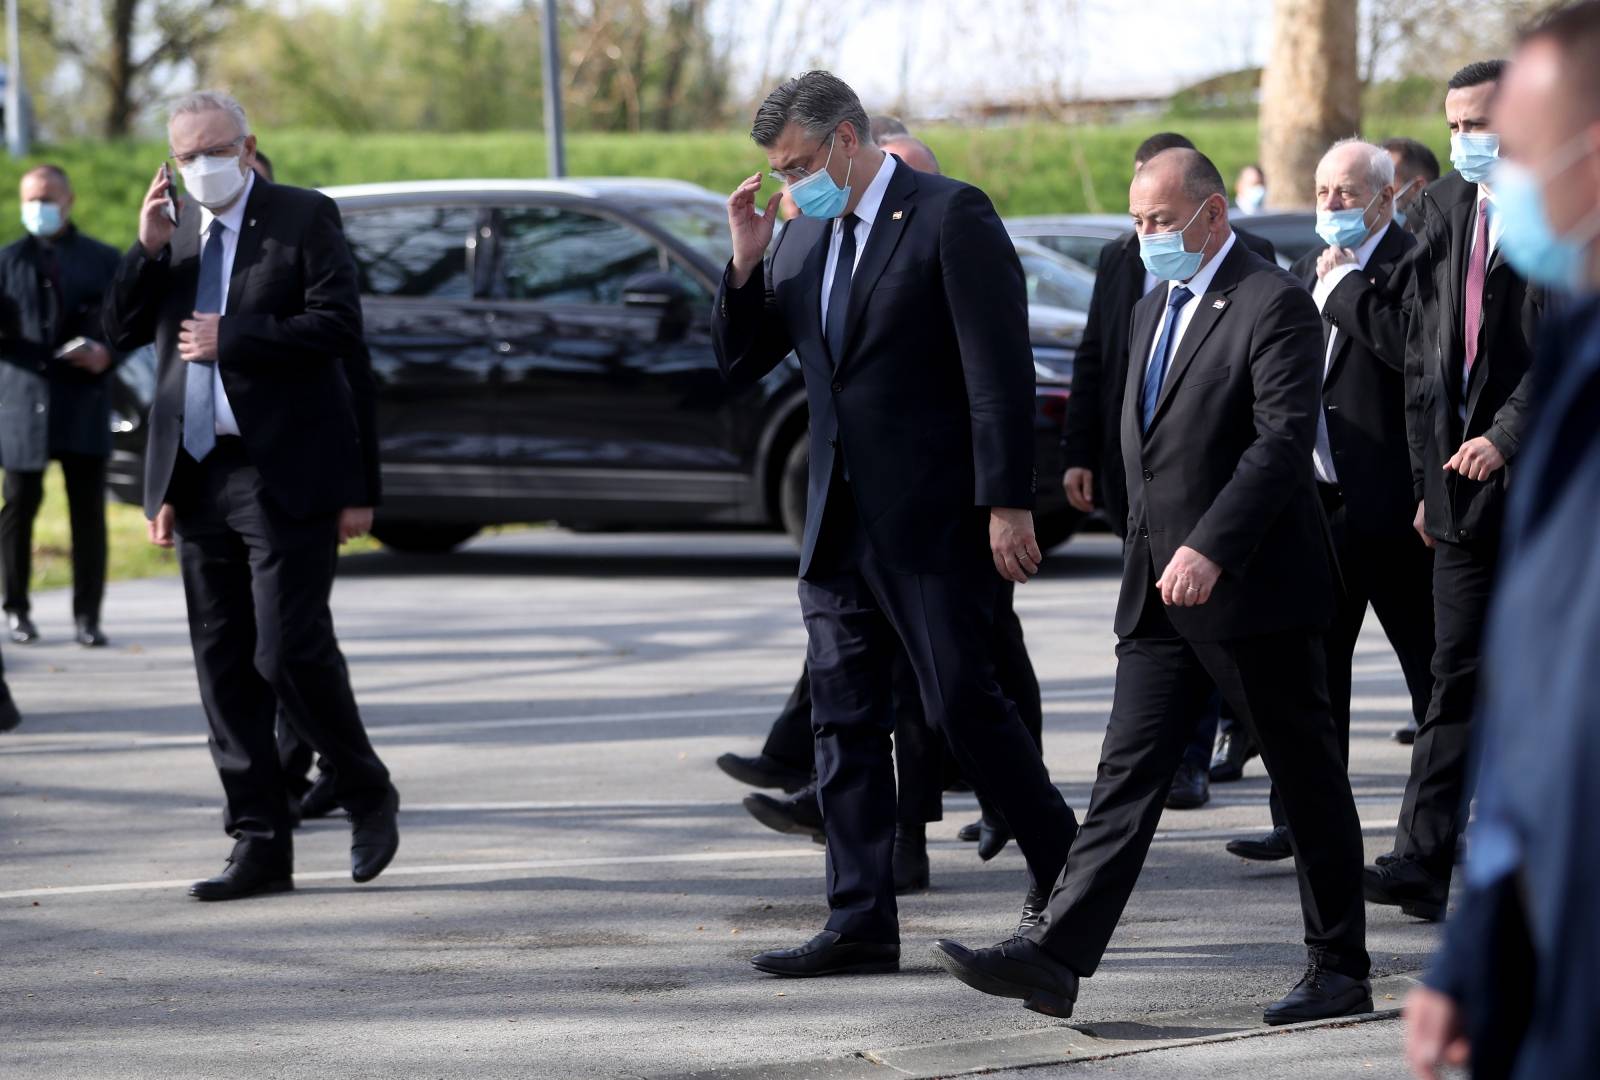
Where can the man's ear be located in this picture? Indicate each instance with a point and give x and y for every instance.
(849, 138)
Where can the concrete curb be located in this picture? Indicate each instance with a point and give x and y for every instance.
(1063, 1045)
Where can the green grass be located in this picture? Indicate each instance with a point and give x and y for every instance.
(1028, 169)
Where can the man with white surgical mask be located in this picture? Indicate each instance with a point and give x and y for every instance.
(55, 396)
(261, 461)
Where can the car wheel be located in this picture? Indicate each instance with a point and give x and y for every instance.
(792, 487)
(423, 537)
(1056, 527)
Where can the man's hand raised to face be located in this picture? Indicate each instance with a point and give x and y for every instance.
(752, 230)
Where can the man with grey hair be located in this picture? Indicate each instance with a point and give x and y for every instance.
(905, 301)
(1227, 582)
(913, 151)
(1362, 461)
(260, 464)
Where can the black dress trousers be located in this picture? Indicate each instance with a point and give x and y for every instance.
(1434, 810)
(258, 582)
(1276, 685)
(858, 613)
(85, 476)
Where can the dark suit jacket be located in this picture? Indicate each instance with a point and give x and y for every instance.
(1519, 952)
(1497, 398)
(1092, 434)
(290, 350)
(1363, 395)
(1225, 467)
(48, 406)
(931, 405)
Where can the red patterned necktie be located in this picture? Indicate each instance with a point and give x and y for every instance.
(1477, 270)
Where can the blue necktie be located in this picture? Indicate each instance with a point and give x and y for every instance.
(839, 295)
(199, 402)
(1156, 372)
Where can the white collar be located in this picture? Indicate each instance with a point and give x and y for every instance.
(872, 198)
(233, 216)
(1201, 281)
(1370, 244)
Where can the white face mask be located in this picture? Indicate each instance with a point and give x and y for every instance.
(213, 182)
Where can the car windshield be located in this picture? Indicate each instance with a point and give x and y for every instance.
(700, 226)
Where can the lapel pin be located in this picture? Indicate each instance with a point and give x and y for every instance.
(1219, 304)
(252, 223)
(897, 215)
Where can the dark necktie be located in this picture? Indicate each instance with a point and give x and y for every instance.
(839, 295)
(1477, 271)
(1156, 372)
(199, 402)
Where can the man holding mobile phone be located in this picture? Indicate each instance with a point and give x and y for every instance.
(55, 396)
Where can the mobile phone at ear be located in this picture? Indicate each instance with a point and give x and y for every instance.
(172, 199)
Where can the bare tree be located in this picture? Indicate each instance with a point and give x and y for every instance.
(1310, 93)
(121, 46)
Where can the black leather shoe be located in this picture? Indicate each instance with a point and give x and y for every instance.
(1016, 968)
(830, 954)
(800, 814)
(1404, 883)
(1234, 749)
(374, 838)
(9, 716)
(88, 634)
(23, 632)
(1271, 847)
(764, 772)
(1407, 735)
(1191, 788)
(970, 832)
(240, 879)
(319, 801)
(1320, 995)
(1033, 906)
(993, 836)
(910, 859)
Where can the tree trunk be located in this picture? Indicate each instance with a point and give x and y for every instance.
(119, 67)
(1310, 94)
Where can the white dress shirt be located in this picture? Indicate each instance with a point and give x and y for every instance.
(232, 220)
(1197, 285)
(866, 213)
(1322, 453)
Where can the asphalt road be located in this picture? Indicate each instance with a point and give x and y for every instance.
(578, 891)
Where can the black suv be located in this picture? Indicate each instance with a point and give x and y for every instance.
(542, 352)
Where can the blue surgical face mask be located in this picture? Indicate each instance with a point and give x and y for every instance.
(1474, 155)
(1345, 228)
(42, 218)
(817, 195)
(1165, 256)
(1531, 245)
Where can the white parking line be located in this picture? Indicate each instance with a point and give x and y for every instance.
(533, 866)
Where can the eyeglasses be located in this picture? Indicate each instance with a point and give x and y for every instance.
(800, 172)
(221, 150)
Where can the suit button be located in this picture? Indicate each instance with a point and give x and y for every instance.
(1149, 476)
(833, 444)
(1144, 533)
(838, 388)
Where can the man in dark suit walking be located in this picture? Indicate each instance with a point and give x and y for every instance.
(1361, 461)
(1470, 320)
(255, 469)
(1227, 581)
(905, 301)
(1091, 448)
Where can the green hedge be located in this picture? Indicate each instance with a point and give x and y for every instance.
(1029, 169)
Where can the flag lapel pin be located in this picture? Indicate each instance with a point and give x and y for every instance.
(1219, 304)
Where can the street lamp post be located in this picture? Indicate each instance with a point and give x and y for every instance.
(16, 122)
(554, 128)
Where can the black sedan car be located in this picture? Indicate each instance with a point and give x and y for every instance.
(542, 351)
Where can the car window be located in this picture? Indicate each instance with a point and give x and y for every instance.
(702, 226)
(412, 250)
(1054, 284)
(1085, 249)
(563, 256)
